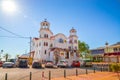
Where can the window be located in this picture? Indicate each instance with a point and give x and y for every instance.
(45, 43)
(51, 45)
(45, 51)
(60, 40)
(70, 41)
(75, 41)
(45, 35)
(69, 48)
(115, 49)
(75, 47)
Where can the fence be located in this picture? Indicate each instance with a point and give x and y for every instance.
(48, 74)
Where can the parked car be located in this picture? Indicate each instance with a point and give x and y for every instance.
(8, 65)
(62, 63)
(23, 64)
(49, 64)
(14, 61)
(1, 63)
(75, 64)
(36, 65)
(87, 63)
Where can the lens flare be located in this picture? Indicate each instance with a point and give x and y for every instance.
(9, 6)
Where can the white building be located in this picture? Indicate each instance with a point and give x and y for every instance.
(54, 47)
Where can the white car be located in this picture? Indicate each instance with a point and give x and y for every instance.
(8, 65)
(49, 64)
(62, 63)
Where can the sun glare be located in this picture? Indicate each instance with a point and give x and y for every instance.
(8, 6)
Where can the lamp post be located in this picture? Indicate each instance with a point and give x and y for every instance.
(1, 53)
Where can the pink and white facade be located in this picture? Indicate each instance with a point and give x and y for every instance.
(54, 47)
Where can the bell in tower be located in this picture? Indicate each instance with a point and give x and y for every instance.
(45, 24)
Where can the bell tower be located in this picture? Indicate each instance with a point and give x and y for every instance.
(45, 24)
(45, 31)
(73, 40)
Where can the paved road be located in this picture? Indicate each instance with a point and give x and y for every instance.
(24, 73)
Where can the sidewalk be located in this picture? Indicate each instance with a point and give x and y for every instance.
(92, 76)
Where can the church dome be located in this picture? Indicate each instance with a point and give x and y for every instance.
(45, 23)
(72, 30)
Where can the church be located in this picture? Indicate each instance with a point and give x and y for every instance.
(54, 47)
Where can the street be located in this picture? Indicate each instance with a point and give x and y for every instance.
(24, 73)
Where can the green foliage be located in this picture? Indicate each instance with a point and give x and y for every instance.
(115, 67)
(6, 56)
(83, 47)
(97, 60)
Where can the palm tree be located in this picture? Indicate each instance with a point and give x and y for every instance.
(6, 56)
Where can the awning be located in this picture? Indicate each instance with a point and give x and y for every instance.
(113, 53)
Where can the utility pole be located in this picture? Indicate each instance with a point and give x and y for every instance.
(30, 45)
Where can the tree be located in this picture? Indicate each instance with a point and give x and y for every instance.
(83, 48)
(6, 56)
(17, 55)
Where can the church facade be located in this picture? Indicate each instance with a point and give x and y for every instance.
(54, 47)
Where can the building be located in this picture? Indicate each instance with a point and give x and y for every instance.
(54, 47)
(109, 53)
(112, 53)
(98, 53)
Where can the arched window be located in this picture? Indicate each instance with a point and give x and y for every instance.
(70, 41)
(51, 45)
(46, 43)
(75, 41)
(60, 40)
(45, 51)
(45, 35)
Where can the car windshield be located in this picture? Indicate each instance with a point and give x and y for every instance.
(49, 61)
(62, 61)
(8, 63)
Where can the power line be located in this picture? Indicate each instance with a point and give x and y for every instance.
(11, 32)
(14, 37)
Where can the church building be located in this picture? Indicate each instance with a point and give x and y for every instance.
(54, 47)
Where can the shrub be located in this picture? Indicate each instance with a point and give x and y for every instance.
(115, 67)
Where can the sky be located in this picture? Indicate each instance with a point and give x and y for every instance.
(96, 22)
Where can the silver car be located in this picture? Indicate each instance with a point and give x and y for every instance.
(49, 64)
(62, 63)
(8, 65)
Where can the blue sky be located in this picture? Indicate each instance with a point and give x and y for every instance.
(96, 21)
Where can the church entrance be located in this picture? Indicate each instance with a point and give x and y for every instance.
(56, 57)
